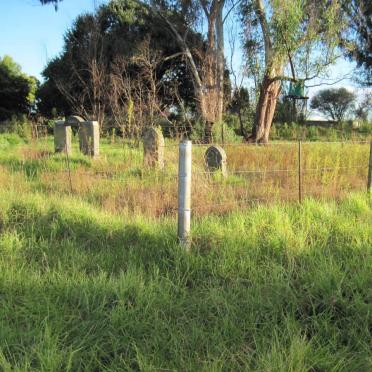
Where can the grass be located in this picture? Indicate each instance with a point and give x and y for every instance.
(94, 280)
(118, 182)
(277, 288)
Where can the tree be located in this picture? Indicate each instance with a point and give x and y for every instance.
(357, 38)
(365, 107)
(209, 80)
(300, 35)
(333, 103)
(90, 65)
(205, 60)
(17, 90)
(240, 105)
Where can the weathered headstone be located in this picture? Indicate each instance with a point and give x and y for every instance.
(89, 138)
(153, 143)
(215, 159)
(62, 137)
(88, 135)
(74, 121)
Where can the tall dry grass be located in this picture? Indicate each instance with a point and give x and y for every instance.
(119, 183)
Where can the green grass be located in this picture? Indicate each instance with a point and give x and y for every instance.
(278, 288)
(88, 282)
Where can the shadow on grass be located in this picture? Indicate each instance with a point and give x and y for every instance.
(92, 292)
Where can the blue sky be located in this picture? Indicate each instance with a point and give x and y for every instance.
(32, 34)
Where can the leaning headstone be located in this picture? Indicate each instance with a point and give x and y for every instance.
(153, 144)
(215, 159)
(62, 137)
(89, 138)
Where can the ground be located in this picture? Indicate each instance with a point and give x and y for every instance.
(276, 287)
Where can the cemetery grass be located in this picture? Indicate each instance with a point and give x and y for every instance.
(86, 286)
(118, 182)
(285, 287)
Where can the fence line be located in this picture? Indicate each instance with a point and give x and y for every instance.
(273, 143)
(249, 191)
(300, 173)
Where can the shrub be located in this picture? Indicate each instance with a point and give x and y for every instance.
(9, 139)
(18, 125)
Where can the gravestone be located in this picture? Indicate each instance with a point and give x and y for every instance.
(62, 137)
(215, 159)
(74, 121)
(89, 138)
(88, 135)
(153, 144)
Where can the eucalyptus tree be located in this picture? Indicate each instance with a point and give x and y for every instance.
(301, 36)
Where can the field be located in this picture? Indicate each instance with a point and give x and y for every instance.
(92, 277)
(119, 183)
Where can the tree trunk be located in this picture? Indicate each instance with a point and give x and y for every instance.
(208, 79)
(269, 92)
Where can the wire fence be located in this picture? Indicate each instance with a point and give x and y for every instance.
(278, 172)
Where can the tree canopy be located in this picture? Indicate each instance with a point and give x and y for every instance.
(291, 40)
(105, 50)
(17, 90)
(357, 39)
(335, 103)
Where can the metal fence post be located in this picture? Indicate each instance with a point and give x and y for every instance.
(369, 181)
(184, 193)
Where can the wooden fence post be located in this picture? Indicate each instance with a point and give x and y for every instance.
(184, 193)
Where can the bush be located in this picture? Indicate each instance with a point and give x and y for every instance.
(229, 134)
(18, 125)
(9, 139)
(365, 127)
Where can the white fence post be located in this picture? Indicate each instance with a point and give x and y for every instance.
(184, 192)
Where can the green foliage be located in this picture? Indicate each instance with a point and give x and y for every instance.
(308, 31)
(17, 90)
(356, 41)
(116, 32)
(8, 140)
(221, 132)
(342, 131)
(334, 103)
(18, 125)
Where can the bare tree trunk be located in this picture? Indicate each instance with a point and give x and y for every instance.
(269, 93)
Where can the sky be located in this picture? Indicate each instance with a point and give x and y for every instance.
(32, 34)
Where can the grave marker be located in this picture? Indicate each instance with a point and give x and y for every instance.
(89, 138)
(215, 159)
(62, 137)
(153, 144)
